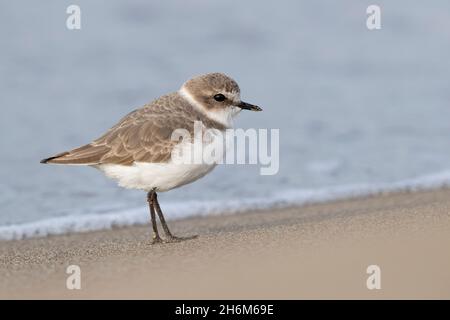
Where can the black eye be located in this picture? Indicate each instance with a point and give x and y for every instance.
(219, 97)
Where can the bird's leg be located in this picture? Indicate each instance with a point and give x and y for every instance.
(170, 237)
(150, 200)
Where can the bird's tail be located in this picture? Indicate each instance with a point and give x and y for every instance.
(86, 155)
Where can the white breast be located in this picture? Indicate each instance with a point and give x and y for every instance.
(165, 176)
(162, 176)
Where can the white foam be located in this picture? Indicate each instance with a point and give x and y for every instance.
(285, 198)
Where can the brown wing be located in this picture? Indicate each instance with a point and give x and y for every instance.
(143, 135)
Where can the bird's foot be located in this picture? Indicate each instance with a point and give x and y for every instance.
(157, 240)
(172, 239)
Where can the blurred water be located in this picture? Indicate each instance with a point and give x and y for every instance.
(352, 105)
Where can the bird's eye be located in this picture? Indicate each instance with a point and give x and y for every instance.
(219, 97)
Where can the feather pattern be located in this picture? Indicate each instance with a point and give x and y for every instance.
(144, 135)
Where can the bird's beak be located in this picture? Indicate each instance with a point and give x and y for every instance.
(248, 106)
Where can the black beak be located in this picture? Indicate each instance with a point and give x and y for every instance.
(248, 106)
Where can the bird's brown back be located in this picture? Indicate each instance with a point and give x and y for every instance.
(143, 135)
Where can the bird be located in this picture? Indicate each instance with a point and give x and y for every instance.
(137, 151)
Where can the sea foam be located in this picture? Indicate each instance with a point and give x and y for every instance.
(285, 198)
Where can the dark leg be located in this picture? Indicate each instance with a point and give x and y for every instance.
(170, 237)
(156, 237)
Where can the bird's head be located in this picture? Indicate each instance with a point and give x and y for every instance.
(217, 96)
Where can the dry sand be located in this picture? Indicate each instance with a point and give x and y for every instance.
(317, 251)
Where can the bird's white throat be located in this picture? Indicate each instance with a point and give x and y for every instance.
(223, 116)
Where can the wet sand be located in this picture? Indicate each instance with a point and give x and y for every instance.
(316, 251)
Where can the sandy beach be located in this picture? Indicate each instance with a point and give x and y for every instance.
(316, 251)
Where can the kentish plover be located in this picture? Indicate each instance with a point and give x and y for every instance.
(137, 152)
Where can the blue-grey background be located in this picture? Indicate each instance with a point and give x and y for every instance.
(352, 105)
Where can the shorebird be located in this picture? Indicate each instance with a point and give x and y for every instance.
(137, 151)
